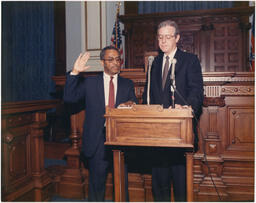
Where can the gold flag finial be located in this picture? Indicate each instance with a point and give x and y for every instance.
(118, 5)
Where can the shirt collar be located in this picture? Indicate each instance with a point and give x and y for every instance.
(105, 75)
(171, 55)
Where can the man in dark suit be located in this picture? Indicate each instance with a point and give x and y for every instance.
(106, 89)
(170, 163)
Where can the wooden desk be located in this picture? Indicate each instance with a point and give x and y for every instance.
(148, 125)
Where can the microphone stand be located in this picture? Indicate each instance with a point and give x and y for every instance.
(173, 85)
(173, 88)
(150, 61)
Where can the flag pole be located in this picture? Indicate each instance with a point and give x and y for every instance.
(117, 15)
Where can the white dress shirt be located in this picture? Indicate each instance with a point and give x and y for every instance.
(106, 79)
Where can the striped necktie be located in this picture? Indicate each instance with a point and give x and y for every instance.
(166, 69)
(111, 98)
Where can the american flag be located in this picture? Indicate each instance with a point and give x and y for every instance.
(252, 45)
(116, 39)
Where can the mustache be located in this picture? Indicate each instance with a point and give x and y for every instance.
(116, 66)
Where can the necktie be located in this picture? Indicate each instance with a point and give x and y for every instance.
(111, 98)
(166, 69)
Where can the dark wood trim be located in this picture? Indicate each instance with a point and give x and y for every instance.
(240, 11)
(28, 106)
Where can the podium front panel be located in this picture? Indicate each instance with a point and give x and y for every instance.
(149, 125)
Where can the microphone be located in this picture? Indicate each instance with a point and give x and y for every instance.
(173, 85)
(174, 61)
(150, 61)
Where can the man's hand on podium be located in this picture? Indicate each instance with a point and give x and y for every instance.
(178, 106)
(127, 104)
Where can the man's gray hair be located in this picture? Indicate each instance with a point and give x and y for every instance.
(169, 23)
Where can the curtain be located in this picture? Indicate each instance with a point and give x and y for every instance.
(28, 60)
(171, 6)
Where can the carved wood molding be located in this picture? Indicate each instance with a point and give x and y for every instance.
(228, 79)
(28, 106)
(228, 76)
(215, 95)
(238, 90)
(219, 85)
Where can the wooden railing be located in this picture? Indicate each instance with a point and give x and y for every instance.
(24, 177)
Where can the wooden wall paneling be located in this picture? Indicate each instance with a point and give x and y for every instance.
(228, 139)
(219, 36)
(109, 187)
(240, 125)
(23, 174)
(240, 128)
(15, 146)
(136, 184)
(205, 35)
(245, 27)
(209, 167)
(226, 48)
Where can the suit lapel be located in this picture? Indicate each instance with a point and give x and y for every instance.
(100, 89)
(119, 90)
(178, 59)
(159, 65)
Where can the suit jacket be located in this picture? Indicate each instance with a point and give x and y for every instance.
(189, 82)
(91, 90)
(189, 85)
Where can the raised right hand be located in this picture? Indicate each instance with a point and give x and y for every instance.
(80, 64)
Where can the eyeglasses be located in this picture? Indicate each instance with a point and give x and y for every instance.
(167, 37)
(111, 60)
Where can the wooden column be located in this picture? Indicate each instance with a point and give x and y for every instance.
(40, 176)
(72, 183)
(119, 184)
(190, 184)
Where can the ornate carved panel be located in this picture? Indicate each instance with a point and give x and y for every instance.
(19, 156)
(16, 156)
(23, 174)
(226, 49)
(140, 42)
(241, 129)
(188, 41)
(237, 90)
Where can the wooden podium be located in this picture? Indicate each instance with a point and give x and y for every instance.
(148, 125)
